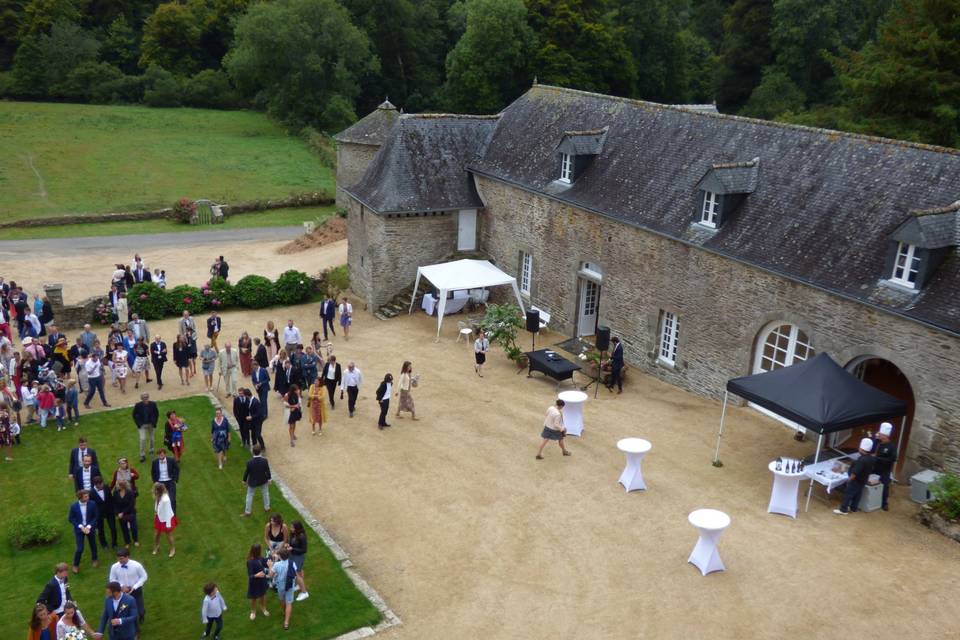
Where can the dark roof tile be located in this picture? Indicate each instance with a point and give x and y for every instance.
(373, 128)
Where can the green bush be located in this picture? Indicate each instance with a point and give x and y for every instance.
(91, 81)
(185, 297)
(321, 144)
(502, 323)
(254, 292)
(163, 88)
(292, 287)
(35, 529)
(127, 89)
(6, 84)
(148, 301)
(946, 496)
(210, 89)
(335, 280)
(219, 293)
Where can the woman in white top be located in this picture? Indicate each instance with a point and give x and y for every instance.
(480, 347)
(164, 520)
(122, 310)
(406, 383)
(72, 620)
(346, 317)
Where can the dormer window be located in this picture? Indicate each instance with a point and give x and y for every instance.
(711, 209)
(566, 168)
(906, 266)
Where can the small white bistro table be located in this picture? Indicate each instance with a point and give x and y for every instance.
(573, 411)
(710, 523)
(786, 487)
(635, 449)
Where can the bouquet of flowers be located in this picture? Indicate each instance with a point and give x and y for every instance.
(75, 634)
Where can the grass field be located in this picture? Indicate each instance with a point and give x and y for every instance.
(273, 218)
(212, 540)
(71, 158)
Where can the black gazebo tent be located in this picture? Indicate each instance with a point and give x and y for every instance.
(817, 394)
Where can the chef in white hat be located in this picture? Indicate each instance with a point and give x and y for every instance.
(860, 470)
(886, 454)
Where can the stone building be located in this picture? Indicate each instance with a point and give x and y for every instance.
(358, 145)
(715, 246)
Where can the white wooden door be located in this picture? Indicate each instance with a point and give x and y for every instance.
(467, 230)
(589, 303)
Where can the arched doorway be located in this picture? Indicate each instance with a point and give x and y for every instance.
(780, 344)
(886, 376)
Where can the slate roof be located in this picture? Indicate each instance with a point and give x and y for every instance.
(582, 143)
(731, 177)
(422, 165)
(932, 229)
(824, 209)
(371, 129)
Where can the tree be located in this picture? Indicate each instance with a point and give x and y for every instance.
(906, 84)
(44, 61)
(171, 38)
(744, 53)
(804, 33)
(580, 45)
(301, 59)
(489, 66)
(776, 94)
(120, 46)
(11, 15)
(40, 15)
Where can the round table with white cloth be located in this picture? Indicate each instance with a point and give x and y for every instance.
(573, 411)
(786, 488)
(635, 449)
(710, 523)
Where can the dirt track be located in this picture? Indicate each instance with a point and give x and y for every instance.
(467, 536)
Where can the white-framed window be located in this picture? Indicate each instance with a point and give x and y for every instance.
(906, 265)
(782, 346)
(669, 336)
(711, 209)
(526, 272)
(566, 167)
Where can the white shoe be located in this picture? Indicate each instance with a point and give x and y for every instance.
(303, 596)
(839, 512)
(253, 615)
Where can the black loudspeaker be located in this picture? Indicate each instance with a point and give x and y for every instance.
(603, 338)
(533, 320)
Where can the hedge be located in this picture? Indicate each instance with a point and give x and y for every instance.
(185, 298)
(254, 292)
(292, 287)
(148, 301)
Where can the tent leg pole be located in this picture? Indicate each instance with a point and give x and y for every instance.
(816, 459)
(723, 415)
(903, 425)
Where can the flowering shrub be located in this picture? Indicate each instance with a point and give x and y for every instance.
(293, 287)
(185, 297)
(148, 301)
(254, 292)
(219, 293)
(185, 209)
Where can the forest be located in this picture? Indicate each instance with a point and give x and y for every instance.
(882, 67)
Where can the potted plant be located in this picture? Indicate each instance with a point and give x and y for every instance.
(942, 513)
(501, 323)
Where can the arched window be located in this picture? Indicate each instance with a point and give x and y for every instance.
(781, 346)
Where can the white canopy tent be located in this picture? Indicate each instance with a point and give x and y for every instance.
(463, 274)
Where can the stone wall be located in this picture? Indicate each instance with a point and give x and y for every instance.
(383, 253)
(72, 316)
(352, 162)
(722, 307)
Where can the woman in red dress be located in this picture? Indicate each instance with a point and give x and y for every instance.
(164, 520)
(173, 434)
(245, 347)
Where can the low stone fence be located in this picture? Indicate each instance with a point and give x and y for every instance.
(299, 200)
(72, 316)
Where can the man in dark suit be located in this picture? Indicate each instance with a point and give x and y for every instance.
(83, 516)
(255, 419)
(241, 411)
(106, 514)
(77, 454)
(145, 417)
(119, 614)
(213, 328)
(57, 591)
(260, 354)
(54, 335)
(224, 268)
(616, 365)
(328, 311)
(141, 274)
(166, 471)
(261, 385)
(331, 377)
(158, 355)
(257, 476)
(84, 474)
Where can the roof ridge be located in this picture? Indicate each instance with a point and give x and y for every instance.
(737, 165)
(950, 208)
(768, 123)
(588, 132)
(437, 116)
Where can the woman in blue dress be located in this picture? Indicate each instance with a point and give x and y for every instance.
(220, 437)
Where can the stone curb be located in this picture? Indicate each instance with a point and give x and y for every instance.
(390, 619)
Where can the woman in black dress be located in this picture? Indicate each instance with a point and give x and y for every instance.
(125, 504)
(181, 358)
(292, 403)
(257, 584)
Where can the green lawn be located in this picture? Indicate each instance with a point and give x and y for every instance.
(73, 158)
(273, 218)
(212, 540)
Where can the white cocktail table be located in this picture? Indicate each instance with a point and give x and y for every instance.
(786, 487)
(573, 411)
(635, 449)
(710, 523)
